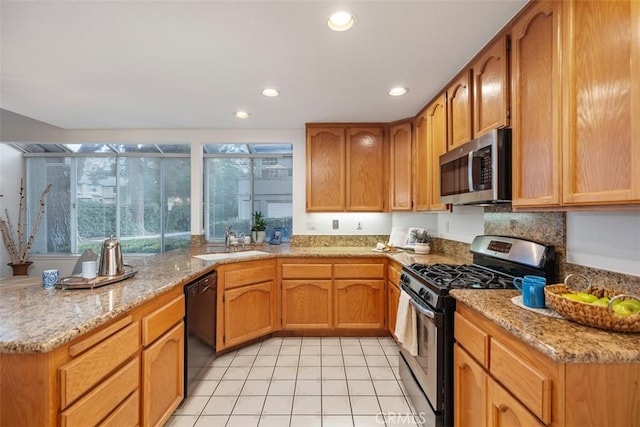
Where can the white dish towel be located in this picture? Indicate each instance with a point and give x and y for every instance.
(407, 324)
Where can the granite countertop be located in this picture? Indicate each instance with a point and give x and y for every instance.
(34, 320)
(559, 339)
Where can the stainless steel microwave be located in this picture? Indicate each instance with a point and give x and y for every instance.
(478, 172)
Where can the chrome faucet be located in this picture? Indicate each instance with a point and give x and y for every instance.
(239, 239)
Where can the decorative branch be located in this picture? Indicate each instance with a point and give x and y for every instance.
(8, 242)
(21, 219)
(18, 251)
(37, 223)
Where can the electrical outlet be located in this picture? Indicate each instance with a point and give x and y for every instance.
(359, 227)
(336, 224)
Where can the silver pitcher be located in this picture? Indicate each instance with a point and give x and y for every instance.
(111, 263)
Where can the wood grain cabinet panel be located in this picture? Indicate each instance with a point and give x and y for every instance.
(249, 312)
(366, 165)
(430, 143)
(536, 107)
(359, 304)
(460, 110)
(491, 88)
(326, 174)
(400, 167)
(161, 320)
(470, 388)
(88, 369)
(506, 411)
(472, 338)
(393, 297)
(601, 44)
(127, 414)
(163, 377)
(92, 408)
(307, 304)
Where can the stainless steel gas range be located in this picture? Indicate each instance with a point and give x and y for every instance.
(497, 260)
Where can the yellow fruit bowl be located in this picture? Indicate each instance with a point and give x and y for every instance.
(589, 314)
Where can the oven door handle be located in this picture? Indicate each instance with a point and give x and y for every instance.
(430, 314)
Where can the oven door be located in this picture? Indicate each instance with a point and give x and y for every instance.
(428, 365)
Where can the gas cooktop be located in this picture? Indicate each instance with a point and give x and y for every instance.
(462, 276)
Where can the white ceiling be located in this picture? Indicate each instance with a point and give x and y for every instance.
(191, 64)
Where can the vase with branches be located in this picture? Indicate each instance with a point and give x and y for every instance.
(15, 242)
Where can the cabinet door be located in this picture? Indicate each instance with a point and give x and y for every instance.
(366, 189)
(306, 304)
(359, 304)
(325, 169)
(421, 165)
(536, 106)
(602, 86)
(491, 88)
(249, 312)
(393, 297)
(400, 167)
(163, 377)
(437, 145)
(505, 410)
(459, 110)
(470, 390)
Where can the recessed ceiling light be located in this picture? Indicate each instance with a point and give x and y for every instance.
(340, 21)
(398, 91)
(270, 92)
(242, 114)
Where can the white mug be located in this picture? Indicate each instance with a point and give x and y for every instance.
(50, 278)
(88, 269)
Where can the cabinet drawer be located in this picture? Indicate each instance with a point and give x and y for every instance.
(101, 401)
(127, 414)
(355, 271)
(306, 271)
(248, 276)
(526, 383)
(161, 320)
(87, 370)
(472, 338)
(394, 273)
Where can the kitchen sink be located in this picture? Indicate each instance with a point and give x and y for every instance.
(226, 255)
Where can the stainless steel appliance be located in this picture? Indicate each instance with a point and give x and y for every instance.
(497, 260)
(478, 172)
(111, 263)
(200, 327)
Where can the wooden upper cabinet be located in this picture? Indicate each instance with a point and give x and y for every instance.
(421, 182)
(437, 142)
(601, 155)
(326, 154)
(536, 106)
(460, 109)
(366, 188)
(491, 88)
(346, 169)
(400, 156)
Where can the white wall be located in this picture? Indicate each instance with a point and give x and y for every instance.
(11, 169)
(606, 240)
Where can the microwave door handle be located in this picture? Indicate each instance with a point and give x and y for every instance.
(470, 170)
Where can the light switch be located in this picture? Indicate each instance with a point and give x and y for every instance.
(336, 224)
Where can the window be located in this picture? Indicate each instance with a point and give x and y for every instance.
(244, 178)
(138, 193)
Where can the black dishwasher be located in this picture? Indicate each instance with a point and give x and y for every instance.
(200, 327)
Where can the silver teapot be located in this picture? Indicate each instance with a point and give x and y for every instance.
(111, 263)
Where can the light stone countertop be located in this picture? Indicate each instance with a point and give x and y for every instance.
(559, 339)
(35, 320)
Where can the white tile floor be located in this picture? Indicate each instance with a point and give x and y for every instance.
(306, 382)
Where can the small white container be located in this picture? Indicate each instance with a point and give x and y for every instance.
(88, 269)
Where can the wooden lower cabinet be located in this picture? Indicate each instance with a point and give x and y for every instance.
(393, 297)
(470, 390)
(248, 312)
(505, 410)
(359, 303)
(247, 302)
(163, 377)
(522, 387)
(127, 372)
(306, 304)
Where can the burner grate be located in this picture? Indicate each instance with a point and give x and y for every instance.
(448, 276)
